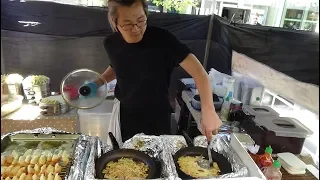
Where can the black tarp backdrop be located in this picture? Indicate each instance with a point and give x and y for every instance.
(70, 37)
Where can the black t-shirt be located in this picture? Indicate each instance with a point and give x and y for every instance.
(143, 69)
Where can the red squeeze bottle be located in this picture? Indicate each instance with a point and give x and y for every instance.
(266, 159)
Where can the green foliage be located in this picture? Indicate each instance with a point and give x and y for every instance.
(178, 5)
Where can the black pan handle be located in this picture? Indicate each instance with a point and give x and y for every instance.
(188, 139)
(114, 142)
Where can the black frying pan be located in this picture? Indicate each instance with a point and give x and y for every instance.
(117, 153)
(223, 163)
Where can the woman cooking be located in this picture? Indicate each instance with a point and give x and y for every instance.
(142, 59)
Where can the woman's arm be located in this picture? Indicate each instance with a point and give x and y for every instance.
(108, 75)
(210, 120)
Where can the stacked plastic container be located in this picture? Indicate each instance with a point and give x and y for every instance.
(95, 121)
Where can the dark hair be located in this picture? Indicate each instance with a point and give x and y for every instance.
(114, 4)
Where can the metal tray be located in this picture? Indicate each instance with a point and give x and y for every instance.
(45, 137)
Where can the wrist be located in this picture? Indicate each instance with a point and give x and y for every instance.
(208, 108)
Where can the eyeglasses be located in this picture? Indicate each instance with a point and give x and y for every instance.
(129, 27)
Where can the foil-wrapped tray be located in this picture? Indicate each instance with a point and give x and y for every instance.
(41, 140)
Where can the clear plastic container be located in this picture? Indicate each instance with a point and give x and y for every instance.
(273, 172)
(248, 86)
(95, 121)
(225, 109)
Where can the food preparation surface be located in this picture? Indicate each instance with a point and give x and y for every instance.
(307, 176)
(29, 117)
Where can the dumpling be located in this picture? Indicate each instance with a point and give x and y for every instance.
(7, 171)
(42, 160)
(3, 160)
(23, 176)
(7, 178)
(36, 169)
(65, 157)
(35, 177)
(14, 170)
(57, 168)
(15, 160)
(21, 171)
(57, 177)
(43, 177)
(50, 176)
(30, 169)
(3, 169)
(43, 169)
(37, 152)
(49, 156)
(15, 178)
(28, 152)
(28, 177)
(50, 169)
(35, 159)
(27, 159)
(9, 159)
(55, 159)
(22, 161)
(15, 155)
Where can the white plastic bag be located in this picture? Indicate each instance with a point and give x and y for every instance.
(114, 126)
(216, 81)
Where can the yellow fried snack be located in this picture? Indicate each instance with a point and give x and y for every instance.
(189, 165)
(125, 168)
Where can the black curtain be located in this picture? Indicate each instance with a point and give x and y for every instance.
(69, 37)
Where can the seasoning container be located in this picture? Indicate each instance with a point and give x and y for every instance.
(273, 172)
(266, 159)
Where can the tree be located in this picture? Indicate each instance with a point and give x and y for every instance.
(178, 5)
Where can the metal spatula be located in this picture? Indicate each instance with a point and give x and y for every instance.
(204, 163)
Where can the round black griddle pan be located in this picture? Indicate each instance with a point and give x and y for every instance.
(191, 150)
(117, 153)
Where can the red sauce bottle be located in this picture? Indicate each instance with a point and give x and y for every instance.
(266, 159)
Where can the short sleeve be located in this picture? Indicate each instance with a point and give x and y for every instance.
(177, 51)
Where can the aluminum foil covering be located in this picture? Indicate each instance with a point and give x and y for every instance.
(45, 130)
(95, 149)
(172, 145)
(151, 145)
(220, 145)
(74, 172)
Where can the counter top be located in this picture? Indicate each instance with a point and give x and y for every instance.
(29, 117)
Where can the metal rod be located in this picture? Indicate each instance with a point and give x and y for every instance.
(206, 53)
(3, 70)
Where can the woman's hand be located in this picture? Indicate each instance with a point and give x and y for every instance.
(210, 123)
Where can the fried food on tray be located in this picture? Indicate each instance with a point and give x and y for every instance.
(126, 168)
(189, 165)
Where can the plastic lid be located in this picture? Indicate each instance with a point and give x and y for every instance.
(227, 99)
(257, 99)
(291, 162)
(268, 150)
(75, 81)
(276, 164)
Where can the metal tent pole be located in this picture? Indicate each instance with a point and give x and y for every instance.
(206, 53)
(3, 70)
